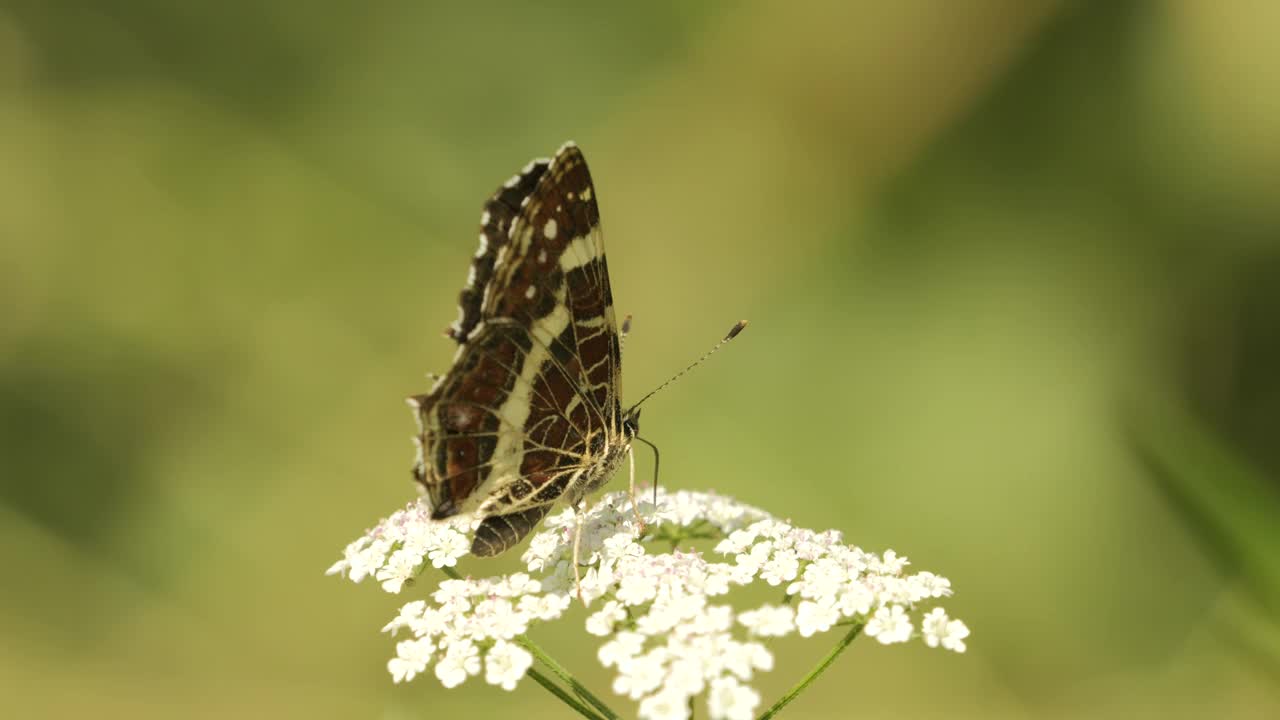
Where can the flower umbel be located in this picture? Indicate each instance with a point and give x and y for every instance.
(660, 612)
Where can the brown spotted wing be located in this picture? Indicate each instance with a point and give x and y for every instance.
(529, 411)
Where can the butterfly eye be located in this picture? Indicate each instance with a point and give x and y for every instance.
(631, 425)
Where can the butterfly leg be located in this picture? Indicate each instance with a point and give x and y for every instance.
(635, 506)
(577, 545)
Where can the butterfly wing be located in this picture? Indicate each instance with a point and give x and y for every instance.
(499, 215)
(533, 392)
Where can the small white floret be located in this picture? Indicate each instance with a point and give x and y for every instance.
(769, 620)
(890, 625)
(938, 629)
(813, 617)
(460, 661)
(412, 657)
(505, 664)
(665, 705)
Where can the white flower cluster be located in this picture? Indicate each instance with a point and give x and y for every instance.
(666, 634)
(395, 550)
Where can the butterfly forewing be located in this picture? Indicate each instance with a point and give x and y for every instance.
(530, 409)
(499, 214)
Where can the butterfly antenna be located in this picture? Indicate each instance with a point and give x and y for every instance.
(733, 333)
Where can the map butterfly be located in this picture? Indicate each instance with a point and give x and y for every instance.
(529, 413)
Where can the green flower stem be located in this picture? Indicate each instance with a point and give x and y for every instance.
(558, 670)
(559, 692)
(814, 673)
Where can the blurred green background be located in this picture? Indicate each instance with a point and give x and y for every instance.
(1013, 272)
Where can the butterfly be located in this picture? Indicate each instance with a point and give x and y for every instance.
(529, 413)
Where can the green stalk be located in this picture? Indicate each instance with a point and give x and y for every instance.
(559, 692)
(559, 671)
(814, 673)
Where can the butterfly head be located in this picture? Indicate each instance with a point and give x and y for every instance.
(631, 423)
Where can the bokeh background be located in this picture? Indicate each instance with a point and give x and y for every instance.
(1012, 267)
